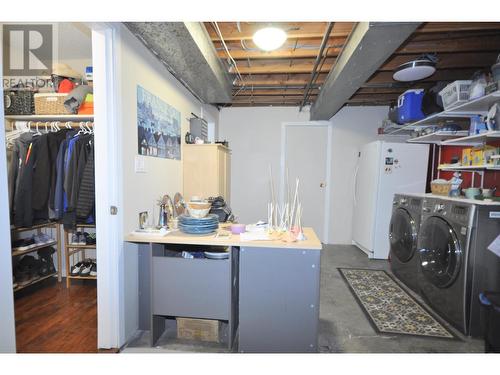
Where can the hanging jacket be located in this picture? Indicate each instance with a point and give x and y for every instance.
(86, 197)
(41, 180)
(23, 209)
(60, 169)
(18, 153)
(54, 143)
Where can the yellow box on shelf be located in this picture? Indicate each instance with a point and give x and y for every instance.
(467, 156)
(482, 155)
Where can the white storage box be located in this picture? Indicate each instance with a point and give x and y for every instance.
(455, 93)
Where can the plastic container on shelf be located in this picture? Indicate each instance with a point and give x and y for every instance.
(410, 106)
(455, 93)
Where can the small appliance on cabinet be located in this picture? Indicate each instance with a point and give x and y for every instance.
(403, 234)
(384, 169)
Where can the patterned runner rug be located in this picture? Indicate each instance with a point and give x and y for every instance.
(389, 308)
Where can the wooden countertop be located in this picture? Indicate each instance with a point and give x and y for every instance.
(311, 243)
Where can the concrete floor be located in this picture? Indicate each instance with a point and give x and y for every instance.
(343, 327)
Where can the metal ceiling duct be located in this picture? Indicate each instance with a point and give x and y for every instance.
(188, 53)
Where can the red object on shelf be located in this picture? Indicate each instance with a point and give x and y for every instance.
(65, 87)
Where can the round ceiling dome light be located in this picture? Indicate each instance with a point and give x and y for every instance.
(269, 38)
(414, 70)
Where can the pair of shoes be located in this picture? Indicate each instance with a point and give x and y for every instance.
(23, 244)
(78, 238)
(87, 267)
(90, 238)
(46, 262)
(26, 270)
(43, 239)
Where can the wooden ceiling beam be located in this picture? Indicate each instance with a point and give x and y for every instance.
(279, 80)
(267, 92)
(442, 27)
(452, 45)
(294, 30)
(282, 67)
(278, 54)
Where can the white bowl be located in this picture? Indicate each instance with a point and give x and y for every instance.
(198, 213)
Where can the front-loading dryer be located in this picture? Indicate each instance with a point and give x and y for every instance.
(444, 278)
(403, 234)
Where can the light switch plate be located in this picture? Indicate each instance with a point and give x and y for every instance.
(140, 165)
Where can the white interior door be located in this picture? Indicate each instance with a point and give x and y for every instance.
(306, 157)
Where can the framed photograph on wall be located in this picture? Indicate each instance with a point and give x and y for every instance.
(159, 127)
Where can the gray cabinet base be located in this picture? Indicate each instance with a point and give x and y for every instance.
(279, 300)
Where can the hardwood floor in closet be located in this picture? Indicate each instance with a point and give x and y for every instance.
(53, 319)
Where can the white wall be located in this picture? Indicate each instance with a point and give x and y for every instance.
(254, 136)
(163, 176)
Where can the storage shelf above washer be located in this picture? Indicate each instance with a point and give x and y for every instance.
(479, 106)
(473, 140)
(438, 137)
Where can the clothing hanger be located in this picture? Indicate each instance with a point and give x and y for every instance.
(91, 131)
(68, 124)
(56, 125)
(37, 131)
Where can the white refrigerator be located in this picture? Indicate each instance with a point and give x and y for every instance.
(384, 169)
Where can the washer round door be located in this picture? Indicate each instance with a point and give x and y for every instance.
(440, 252)
(402, 235)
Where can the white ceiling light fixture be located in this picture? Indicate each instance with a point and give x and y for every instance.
(415, 70)
(269, 38)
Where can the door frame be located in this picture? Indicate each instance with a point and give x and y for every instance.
(7, 323)
(328, 165)
(108, 186)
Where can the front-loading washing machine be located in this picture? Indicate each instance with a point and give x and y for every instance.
(455, 264)
(445, 275)
(403, 234)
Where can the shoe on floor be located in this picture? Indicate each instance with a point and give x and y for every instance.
(75, 270)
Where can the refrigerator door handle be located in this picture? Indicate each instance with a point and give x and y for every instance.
(355, 185)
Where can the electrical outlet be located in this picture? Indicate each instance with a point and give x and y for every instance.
(139, 165)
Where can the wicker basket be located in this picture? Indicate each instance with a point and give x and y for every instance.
(440, 188)
(50, 104)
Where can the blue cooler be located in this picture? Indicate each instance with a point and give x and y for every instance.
(410, 106)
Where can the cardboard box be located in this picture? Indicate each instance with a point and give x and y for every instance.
(198, 329)
(482, 155)
(466, 156)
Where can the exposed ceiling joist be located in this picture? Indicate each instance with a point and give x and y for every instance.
(301, 30)
(368, 46)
